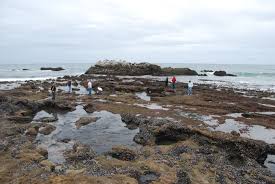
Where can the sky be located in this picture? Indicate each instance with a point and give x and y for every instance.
(160, 31)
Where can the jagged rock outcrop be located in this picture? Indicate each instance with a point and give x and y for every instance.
(124, 68)
(155, 131)
(110, 67)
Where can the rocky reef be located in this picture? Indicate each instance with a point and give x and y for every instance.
(217, 135)
(110, 67)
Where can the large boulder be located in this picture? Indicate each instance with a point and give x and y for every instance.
(223, 73)
(178, 71)
(123, 68)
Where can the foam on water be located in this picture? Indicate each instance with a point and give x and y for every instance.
(152, 106)
(143, 96)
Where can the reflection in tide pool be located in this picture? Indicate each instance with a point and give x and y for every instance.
(143, 96)
(101, 135)
(270, 164)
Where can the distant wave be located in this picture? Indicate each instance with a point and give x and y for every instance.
(25, 79)
(249, 74)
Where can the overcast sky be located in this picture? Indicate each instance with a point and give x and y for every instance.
(182, 31)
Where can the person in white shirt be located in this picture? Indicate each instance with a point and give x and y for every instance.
(190, 86)
(90, 87)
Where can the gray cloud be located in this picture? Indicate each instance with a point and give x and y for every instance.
(219, 31)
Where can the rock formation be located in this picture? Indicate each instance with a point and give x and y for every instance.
(108, 67)
(223, 73)
(52, 68)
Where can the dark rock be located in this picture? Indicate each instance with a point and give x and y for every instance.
(122, 153)
(257, 115)
(182, 177)
(235, 133)
(135, 69)
(132, 121)
(20, 119)
(52, 68)
(207, 71)
(66, 140)
(24, 69)
(155, 132)
(223, 73)
(220, 73)
(46, 130)
(89, 108)
(203, 75)
(271, 162)
(148, 177)
(178, 71)
(178, 150)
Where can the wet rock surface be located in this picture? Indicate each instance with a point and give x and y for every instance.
(47, 129)
(204, 138)
(109, 67)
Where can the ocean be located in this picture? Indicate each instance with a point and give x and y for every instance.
(256, 77)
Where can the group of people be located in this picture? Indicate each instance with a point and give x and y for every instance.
(69, 85)
(90, 87)
(174, 80)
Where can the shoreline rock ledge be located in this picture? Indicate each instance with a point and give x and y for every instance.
(112, 67)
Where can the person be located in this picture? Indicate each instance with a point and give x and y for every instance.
(90, 87)
(174, 82)
(69, 84)
(190, 86)
(53, 89)
(166, 82)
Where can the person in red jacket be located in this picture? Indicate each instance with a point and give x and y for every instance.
(174, 82)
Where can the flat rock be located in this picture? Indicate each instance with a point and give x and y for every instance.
(46, 130)
(85, 121)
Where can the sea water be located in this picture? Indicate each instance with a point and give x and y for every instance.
(259, 77)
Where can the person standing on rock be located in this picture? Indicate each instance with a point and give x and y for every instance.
(90, 87)
(166, 82)
(190, 86)
(53, 89)
(174, 83)
(69, 84)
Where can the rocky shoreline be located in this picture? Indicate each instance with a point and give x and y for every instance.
(136, 131)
